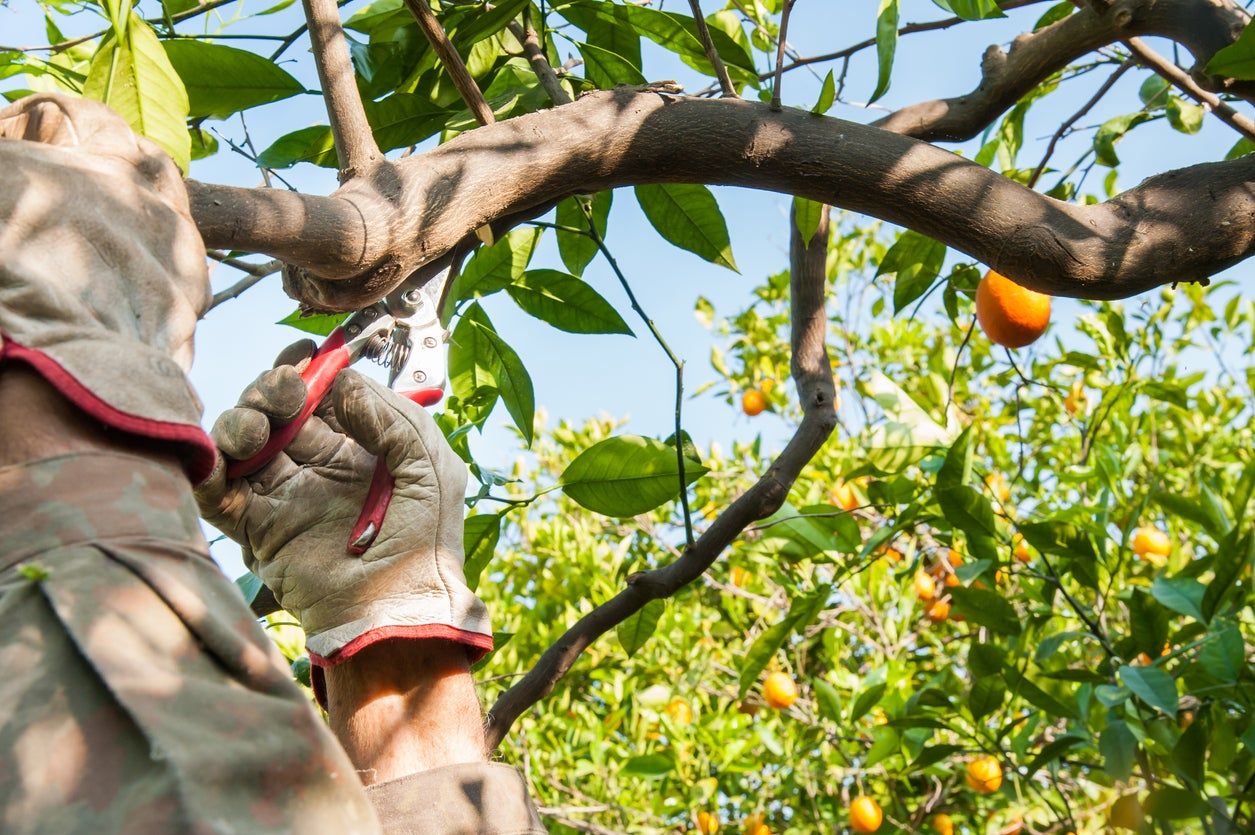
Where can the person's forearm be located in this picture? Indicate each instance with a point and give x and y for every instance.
(401, 706)
(36, 422)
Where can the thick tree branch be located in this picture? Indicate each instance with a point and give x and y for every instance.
(1180, 79)
(355, 142)
(452, 61)
(1184, 225)
(1201, 26)
(813, 375)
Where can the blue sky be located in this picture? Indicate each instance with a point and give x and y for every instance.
(579, 376)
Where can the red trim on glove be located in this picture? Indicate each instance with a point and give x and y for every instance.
(477, 643)
(199, 453)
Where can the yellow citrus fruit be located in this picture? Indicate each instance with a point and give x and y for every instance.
(952, 580)
(1076, 401)
(925, 586)
(984, 775)
(1010, 315)
(844, 497)
(954, 557)
(891, 555)
(998, 487)
(741, 576)
(753, 402)
(1151, 542)
(779, 690)
(865, 814)
(1126, 813)
(1021, 549)
(943, 824)
(680, 712)
(750, 825)
(707, 823)
(939, 612)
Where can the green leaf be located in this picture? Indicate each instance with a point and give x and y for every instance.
(1019, 685)
(499, 363)
(1185, 116)
(1118, 747)
(578, 250)
(827, 95)
(649, 766)
(222, 80)
(985, 696)
(1153, 686)
(1180, 594)
(967, 509)
(1111, 132)
(987, 608)
(1189, 754)
(319, 324)
(828, 699)
(689, 217)
(608, 69)
(493, 268)
(972, 9)
(807, 214)
(566, 302)
(626, 475)
(1052, 751)
(637, 629)
(131, 73)
(250, 586)
(935, 754)
(314, 144)
(1237, 60)
(1223, 655)
(1172, 803)
(802, 612)
(916, 260)
(480, 534)
(868, 699)
(886, 45)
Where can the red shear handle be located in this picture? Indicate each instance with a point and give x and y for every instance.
(330, 359)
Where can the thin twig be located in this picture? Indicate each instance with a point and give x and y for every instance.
(452, 61)
(1075, 117)
(784, 33)
(254, 273)
(1180, 79)
(526, 35)
(712, 54)
(812, 373)
(354, 140)
(595, 234)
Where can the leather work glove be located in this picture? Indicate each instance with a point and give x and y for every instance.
(294, 515)
(102, 271)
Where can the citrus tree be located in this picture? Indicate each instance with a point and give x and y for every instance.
(1010, 592)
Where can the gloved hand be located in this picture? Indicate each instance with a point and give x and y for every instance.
(102, 272)
(293, 516)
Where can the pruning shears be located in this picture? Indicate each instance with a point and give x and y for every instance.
(402, 332)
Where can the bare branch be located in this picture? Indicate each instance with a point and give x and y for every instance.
(1201, 26)
(452, 61)
(355, 142)
(712, 54)
(1180, 79)
(813, 375)
(254, 273)
(1072, 120)
(781, 42)
(526, 35)
(373, 232)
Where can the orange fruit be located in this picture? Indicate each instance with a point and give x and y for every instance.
(998, 487)
(954, 557)
(1014, 827)
(1076, 401)
(952, 580)
(984, 774)
(1151, 544)
(1010, 315)
(925, 586)
(943, 824)
(707, 823)
(891, 555)
(844, 497)
(741, 576)
(1186, 719)
(1020, 549)
(939, 611)
(865, 814)
(680, 712)
(779, 690)
(756, 824)
(1126, 813)
(753, 402)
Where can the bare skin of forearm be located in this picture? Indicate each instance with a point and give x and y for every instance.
(400, 707)
(36, 422)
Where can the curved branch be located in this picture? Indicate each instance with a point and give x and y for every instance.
(1184, 225)
(813, 375)
(1201, 26)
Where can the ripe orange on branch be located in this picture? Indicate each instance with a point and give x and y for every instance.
(779, 690)
(865, 814)
(753, 402)
(1151, 543)
(984, 775)
(943, 824)
(1010, 315)
(707, 823)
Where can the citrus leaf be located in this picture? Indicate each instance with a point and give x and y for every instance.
(319, 324)
(222, 80)
(493, 268)
(649, 766)
(886, 45)
(578, 250)
(249, 585)
(507, 372)
(802, 612)
(1153, 686)
(1118, 747)
(688, 216)
(480, 534)
(637, 629)
(807, 215)
(626, 475)
(987, 608)
(1237, 60)
(566, 302)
